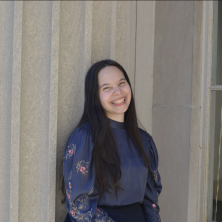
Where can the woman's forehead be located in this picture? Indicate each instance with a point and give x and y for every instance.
(110, 74)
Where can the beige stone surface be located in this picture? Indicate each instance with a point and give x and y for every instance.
(195, 132)
(173, 52)
(15, 113)
(35, 108)
(176, 106)
(144, 62)
(102, 30)
(53, 112)
(126, 36)
(6, 69)
(46, 48)
(171, 134)
(70, 81)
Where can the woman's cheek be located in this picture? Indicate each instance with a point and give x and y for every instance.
(104, 98)
(128, 91)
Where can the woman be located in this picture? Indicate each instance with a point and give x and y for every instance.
(110, 165)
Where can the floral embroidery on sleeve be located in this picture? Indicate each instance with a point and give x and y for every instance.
(83, 202)
(76, 210)
(69, 179)
(77, 207)
(155, 175)
(155, 209)
(82, 166)
(100, 217)
(91, 191)
(70, 151)
(154, 205)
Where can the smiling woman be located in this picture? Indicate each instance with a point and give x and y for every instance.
(110, 165)
(114, 93)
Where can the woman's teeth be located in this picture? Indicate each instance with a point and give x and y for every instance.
(119, 101)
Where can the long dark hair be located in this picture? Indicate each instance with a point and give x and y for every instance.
(105, 156)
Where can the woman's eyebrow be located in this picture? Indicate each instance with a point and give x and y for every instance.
(104, 85)
(108, 84)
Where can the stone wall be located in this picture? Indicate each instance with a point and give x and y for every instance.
(46, 48)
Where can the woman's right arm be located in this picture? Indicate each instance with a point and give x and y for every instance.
(81, 198)
(153, 186)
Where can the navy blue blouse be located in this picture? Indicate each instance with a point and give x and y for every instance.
(139, 185)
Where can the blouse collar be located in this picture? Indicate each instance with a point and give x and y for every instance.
(117, 125)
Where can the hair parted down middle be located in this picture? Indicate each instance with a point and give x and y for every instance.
(105, 156)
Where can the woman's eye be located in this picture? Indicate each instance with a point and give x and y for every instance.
(122, 82)
(106, 88)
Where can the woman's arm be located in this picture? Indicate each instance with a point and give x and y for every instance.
(81, 198)
(153, 186)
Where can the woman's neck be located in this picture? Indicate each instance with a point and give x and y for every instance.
(118, 118)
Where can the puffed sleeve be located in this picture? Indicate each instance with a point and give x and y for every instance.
(153, 186)
(81, 198)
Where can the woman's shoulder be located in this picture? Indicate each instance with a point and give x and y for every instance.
(144, 134)
(84, 129)
(81, 134)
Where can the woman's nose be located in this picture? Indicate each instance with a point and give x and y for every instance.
(116, 90)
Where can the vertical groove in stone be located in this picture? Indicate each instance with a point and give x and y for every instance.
(15, 113)
(194, 184)
(88, 35)
(136, 23)
(113, 31)
(153, 51)
(53, 111)
(129, 27)
(6, 70)
(35, 106)
(131, 47)
(206, 110)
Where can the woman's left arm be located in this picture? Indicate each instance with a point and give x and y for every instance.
(153, 187)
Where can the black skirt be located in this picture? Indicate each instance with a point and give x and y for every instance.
(127, 213)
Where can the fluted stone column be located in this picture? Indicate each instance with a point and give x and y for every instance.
(46, 48)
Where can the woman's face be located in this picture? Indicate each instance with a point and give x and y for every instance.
(114, 92)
